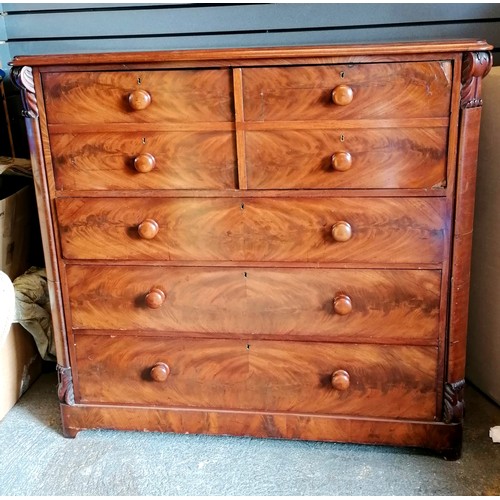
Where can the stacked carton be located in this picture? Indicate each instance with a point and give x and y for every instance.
(20, 363)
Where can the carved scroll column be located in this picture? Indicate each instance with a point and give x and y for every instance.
(23, 78)
(65, 385)
(475, 67)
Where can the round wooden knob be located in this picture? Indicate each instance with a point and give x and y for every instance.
(342, 304)
(160, 372)
(144, 163)
(342, 161)
(139, 99)
(148, 229)
(342, 95)
(341, 231)
(340, 380)
(155, 298)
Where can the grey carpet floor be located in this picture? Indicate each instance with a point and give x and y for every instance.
(36, 460)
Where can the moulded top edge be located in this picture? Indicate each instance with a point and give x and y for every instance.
(253, 53)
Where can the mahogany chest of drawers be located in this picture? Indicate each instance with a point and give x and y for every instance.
(263, 242)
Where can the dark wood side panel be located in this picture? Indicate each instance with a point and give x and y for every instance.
(103, 97)
(384, 230)
(34, 114)
(378, 91)
(385, 381)
(385, 306)
(476, 66)
(378, 158)
(462, 244)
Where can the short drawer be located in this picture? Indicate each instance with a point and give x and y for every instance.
(357, 305)
(144, 160)
(363, 380)
(138, 96)
(385, 158)
(349, 91)
(372, 230)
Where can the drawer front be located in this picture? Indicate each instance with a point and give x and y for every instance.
(381, 381)
(356, 305)
(374, 230)
(118, 97)
(166, 160)
(352, 159)
(388, 90)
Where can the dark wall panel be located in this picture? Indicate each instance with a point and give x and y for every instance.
(4, 49)
(39, 28)
(357, 35)
(232, 18)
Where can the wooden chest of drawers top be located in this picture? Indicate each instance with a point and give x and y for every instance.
(263, 231)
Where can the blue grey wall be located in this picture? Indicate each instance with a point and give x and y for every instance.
(38, 28)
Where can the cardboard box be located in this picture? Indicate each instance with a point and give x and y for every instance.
(483, 345)
(20, 363)
(20, 366)
(16, 201)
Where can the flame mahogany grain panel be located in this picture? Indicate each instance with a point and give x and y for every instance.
(385, 230)
(102, 97)
(381, 158)
(380, 91)
(385, 381)
(395, 306)
(183, 160)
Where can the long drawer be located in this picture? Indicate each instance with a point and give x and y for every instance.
(362, 91)
(320, 378)
(138, 96)
(281, 159)
(373, 230)
(350, 304)
(354, 159)
(144, 160)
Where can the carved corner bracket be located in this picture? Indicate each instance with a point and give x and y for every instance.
(23, 78)
(475, 66)
(454, 406)
(65, 385)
